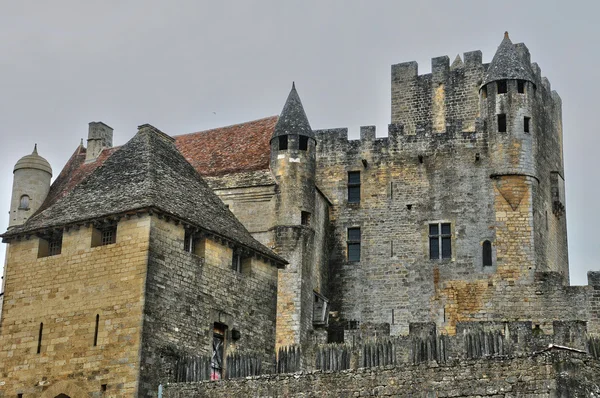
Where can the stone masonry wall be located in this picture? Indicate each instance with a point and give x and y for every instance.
(544, 375)
(186, 294)
(65, 292)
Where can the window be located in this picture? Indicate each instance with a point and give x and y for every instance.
(487, 253)
(521, 86)
(303, 143)
(50, 245)
(320, 310)
(104, 235)
(96, 330)
(353, 244)
(218, 348)
(502, 123)
(305, 218)
(440, 242)
(39, 346)
(283, 142)
(526, 122)
(193, 243)
(353, 186)
(236, 261)
(502, 86)
(24, 203)
(484, 92)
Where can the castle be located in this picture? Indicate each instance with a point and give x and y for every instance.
(208, 255)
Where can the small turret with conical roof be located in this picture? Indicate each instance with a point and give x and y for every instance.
(31, 183)
(508, 64)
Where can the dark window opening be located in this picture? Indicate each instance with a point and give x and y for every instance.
(96, 330)
(103, 387)
(320, 310)
(193, 243)
(303, 143)
(283, 142)
(502, 86)
(20, 395)
(50, 245)
(420, 158)
(105, 235)
(484, 92)
(440, 241)
(305, 218)
(218, 348)
(487, 253)
(502, 123)
(353, 244)
(39, 346)
(24, 203)
(521, 86)
(236, 261)
(353, 186)
(526, 122)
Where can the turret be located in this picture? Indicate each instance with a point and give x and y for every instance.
(31, 183)
(293, 162)
(507, 98)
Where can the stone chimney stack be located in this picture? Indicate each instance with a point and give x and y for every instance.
(100, 136)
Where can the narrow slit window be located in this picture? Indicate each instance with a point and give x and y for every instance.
(96, 330)
(283, 142)
(526, 124)
(484, 92)
(305, 218)
(303, 143)
(353, 186)
(487, 253)
(39, 346)
(521, 86)
(502, 123)
(440, 241)
(353, 245)
(236, 261)
(502, 86)
(189, 244)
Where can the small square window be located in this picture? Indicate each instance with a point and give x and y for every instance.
(502, 123)
(502, 86)
(353, 244)
(440, 241)
(105, 235)
(50, 245)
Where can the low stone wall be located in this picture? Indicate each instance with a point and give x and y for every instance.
(548, 374)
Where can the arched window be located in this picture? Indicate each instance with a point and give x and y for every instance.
(24, 202)
(487, 253)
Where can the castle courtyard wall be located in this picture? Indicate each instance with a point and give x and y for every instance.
(65, 292)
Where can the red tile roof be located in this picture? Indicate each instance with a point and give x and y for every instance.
(231, 149)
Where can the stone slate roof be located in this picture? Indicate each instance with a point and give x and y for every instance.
(508, 64)
(148, 172)
(232, 149)
(293, 119)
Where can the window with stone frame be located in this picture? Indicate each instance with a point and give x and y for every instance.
(24, 202)
(353, 243)
(236, 261)
(50, 244)
(440, 241)
(486, 253)
(104, 234)
(354, 187)
(194, 242)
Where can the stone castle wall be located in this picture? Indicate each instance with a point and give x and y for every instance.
(65, 292)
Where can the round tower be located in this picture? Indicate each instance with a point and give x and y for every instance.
(31, 183)
(293, 162)
(507, 97)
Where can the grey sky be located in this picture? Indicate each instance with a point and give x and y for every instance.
(174, 64)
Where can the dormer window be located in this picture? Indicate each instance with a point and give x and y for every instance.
(502, 86)
(283, 142)
(24, 203)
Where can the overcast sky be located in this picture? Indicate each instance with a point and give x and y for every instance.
(186, 66)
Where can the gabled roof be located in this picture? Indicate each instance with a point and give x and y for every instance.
(231, 149)
(508, 64)
(293, 119)
(148, 172)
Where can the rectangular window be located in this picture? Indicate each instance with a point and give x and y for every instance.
(484, 92)
(236, 262)
(305, 218)
(189, 243)
(440, 241)
(521, 86)
(353, 186)
(502, 123)
(526, 122)
(109, 236)
(303, 143)
(50, 246)
(502, 86)
(218, 349)
(283, 142)
(353, 245)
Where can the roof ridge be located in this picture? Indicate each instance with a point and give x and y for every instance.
(225, 127)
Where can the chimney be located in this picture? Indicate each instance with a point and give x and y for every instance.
(100, 136)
